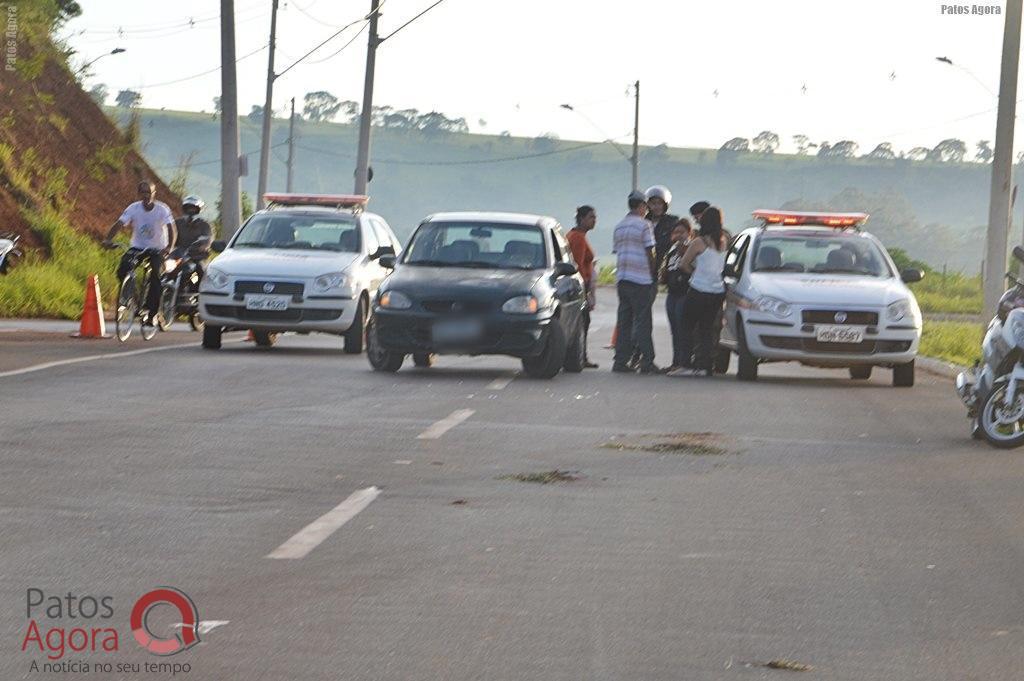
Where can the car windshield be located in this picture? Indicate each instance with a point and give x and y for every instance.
(839, 254)
(301, 232)
(480, 245)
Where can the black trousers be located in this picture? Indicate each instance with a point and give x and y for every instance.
(699, 336)
(130, 260)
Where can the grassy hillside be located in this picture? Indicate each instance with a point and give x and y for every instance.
(932, 210)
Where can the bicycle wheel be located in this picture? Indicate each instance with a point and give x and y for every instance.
(127, 307)
(168, 305)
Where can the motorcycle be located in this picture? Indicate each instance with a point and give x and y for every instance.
(10, 254)
(994, 390)
(179, 296)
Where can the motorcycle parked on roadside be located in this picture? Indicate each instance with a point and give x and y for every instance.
(994, 389)
(180, 294)
(10, 254)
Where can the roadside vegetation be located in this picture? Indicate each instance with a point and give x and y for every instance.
(957, 342)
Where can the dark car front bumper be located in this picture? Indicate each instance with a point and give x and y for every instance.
(411, 332)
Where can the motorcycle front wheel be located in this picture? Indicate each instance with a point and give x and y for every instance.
(1002, 424)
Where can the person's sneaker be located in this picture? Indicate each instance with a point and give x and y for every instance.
(686, 371)
(669, 369)
(590, 365)
(634, 362)
(622, 369)
(648, 369)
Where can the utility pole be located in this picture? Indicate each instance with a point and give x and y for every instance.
(230, 191)
(1002, 162)
(291, 149)
(636, 139)
(363, 157)
(268, 113)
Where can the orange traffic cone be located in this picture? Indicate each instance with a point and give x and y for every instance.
(615, 337)
(92, 324)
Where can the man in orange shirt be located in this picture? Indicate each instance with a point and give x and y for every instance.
(583, 254)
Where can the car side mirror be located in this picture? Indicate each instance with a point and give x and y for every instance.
(564, 269)
(1018, 253)
(911, 276)
(218, 246)
(382, 251)
(388, 260)
(729, 271)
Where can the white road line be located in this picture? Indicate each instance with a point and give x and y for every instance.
(312, 535)
(502, 382)
(444, 425)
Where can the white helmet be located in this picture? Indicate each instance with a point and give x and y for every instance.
(660, 191)
(193, 201)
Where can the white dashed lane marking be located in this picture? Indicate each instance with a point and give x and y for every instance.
(312, 535)
(501, 382)
(444, 425)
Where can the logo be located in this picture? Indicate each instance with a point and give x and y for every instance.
(268, 287)
(840, 317)
(189, 632)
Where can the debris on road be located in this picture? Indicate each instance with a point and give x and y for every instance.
(459, 502)
(544, 478)
(789, 665)
(696, 444)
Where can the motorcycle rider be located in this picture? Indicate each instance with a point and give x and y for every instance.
(658, 199)
(191, 228)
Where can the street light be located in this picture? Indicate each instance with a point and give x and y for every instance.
(948, 61)
(116, 50)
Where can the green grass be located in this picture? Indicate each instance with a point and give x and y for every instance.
(953, 294)
(957, 342)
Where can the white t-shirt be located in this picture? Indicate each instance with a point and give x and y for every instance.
(149, 227)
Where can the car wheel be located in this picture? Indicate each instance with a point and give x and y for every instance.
(212, 336)
(747, 369)
(264, 339)
(722, 360)
(380, 358)
(860, 373)
(424, 360)
(548, 363)
(196, 322)
(355, 337)
(575, 355)
(903, 375)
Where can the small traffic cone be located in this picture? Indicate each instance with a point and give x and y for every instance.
(615, 337)
(92, 324)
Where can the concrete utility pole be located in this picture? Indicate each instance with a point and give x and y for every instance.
(1002, 161)
(291, 150)
(636, 139)
(230, 191)
(363, 157)
(268, 114)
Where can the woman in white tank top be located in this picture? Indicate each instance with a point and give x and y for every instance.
(705, 258)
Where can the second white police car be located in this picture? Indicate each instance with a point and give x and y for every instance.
(815, 289)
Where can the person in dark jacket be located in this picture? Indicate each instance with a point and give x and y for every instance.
(677, 281)
(658, 199)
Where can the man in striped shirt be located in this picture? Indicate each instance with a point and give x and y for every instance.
(633, 245)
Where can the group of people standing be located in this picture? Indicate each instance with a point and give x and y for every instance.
(652, 247)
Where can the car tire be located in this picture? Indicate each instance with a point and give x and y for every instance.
(903, 375)
(264, 339)
(747, 364)
(575, 355)
(212, 337)
(722, 360)
(355, 337)
(861, 373)
(196, 322)
(381, 359)
(549, 362)
(423, 360)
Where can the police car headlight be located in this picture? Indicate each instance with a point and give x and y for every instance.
(395, 300)
(216, 279)
(521, 305)
(898, 311)
(334, 280)
(774, 306)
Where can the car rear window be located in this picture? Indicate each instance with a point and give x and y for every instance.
(465, 244)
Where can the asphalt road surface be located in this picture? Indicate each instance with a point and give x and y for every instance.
(333, 523)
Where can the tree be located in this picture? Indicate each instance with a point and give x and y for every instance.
(918, 153)
(128, 99)
(949, 150)
(766, 142)
(351, 111)
(738, 145)
(216, 105)
(658, 153)
(99, 93)
(482, 123)
(256, 113)
(320, 106)
(841, 149)
(882, 152)
(824, 149)
(803, 144)
(984, 153)
(545, 143)
(68, 9)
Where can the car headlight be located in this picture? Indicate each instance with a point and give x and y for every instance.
(215, 278)
(171, 264)
(898, 311)
(774, 306)
(521, 305)
(395, 300)
(334, 280)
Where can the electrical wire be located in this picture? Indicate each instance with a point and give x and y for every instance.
(198, 75)
(342, 48)
(482, 161)
(215, 160)
(390, 35)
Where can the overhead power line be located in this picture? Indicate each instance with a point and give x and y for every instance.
(199, 75)
(481, 161)
(390, 35)
(211, 161)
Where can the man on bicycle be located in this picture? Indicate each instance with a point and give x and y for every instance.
(153, 236)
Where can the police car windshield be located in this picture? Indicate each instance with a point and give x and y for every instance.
(301, 232)
(820, 254)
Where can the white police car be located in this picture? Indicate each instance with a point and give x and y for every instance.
(815, 289)
(309, 262)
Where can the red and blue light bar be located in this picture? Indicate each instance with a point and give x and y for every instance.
(796, 217)
(328, 200)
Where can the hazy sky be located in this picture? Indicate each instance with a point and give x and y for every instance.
(868, 65)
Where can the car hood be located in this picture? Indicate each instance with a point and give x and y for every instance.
(829, 289)
(461, 282)
(274, 262)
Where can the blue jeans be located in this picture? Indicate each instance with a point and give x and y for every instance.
(634, 321)
(674, 312)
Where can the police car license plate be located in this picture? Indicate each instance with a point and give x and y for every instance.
(267, 303)
(840, 334)
(458, 331)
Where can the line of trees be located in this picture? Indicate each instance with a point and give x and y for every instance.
(950, 150)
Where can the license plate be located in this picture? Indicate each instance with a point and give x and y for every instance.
(267, 303)
(458, 331)
(840, 334)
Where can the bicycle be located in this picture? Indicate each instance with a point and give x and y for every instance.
(131, 297)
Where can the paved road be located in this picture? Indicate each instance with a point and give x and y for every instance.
(847, 526)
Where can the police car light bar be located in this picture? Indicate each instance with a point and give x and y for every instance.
(330, 200)
(794, 217)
